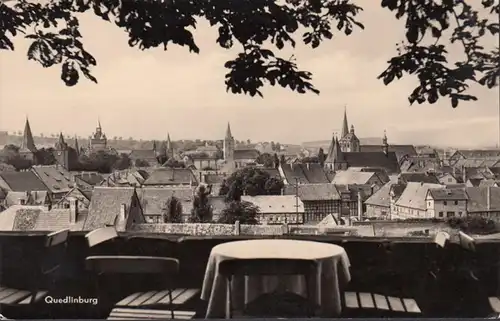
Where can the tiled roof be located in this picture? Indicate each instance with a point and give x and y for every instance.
(314, 192)
(275, 204)
(400, 150)
(489, 182)
(352, 177)
(20, 218)
(478, 199)
(475, 162)
(56, 178)
(90, 178)
(479, 153)
(382, 197)
(82, 195)
(293, 172)
(419, 177)
(23, 181)
(153, 198)
(245, 154)
(414, 195)
(30, 198)
(455, 194)
(397, 190)
(30, 218)
(105, 206)
(475, 181)
(171, 176)
(58, 219)
(387, 161)
(314, 173)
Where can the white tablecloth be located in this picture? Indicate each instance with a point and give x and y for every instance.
(332, 263)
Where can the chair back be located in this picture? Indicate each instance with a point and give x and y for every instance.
(132, 265)
(441, 238)
(467, 242)
(267, 267)
(101, 235)
(55, 250)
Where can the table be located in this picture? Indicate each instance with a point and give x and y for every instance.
(333, 271)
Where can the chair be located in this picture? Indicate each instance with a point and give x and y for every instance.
(373, 294)
(54, 251)
(271, 303)
(144, 305)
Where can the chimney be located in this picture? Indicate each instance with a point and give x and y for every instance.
(307, 166)
(360, 206)
(488, 198)
(73, 210)
(464, 174)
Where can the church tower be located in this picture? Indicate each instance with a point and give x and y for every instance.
(61, 152)
(349, 142)
(229, 144)
(27, 149)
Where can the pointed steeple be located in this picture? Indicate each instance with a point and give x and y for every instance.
(345, 125)
(28, 142)
(337, 152)
(329, 156)
(61, 144)
(61, 138)
(229, 135)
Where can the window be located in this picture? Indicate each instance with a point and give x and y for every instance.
(460, 214)
(456, 202)
(445, 203)
(429, 203)
(441, 214)
(450, 180)
(450, 214)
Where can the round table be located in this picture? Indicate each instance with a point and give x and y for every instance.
(332, 271)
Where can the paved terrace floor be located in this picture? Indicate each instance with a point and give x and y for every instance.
(393, 266)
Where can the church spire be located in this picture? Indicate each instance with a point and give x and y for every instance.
(345, 125)
(28, 142)
(61, 144)
(228, 131)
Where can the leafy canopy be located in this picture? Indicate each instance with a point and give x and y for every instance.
(262, 26)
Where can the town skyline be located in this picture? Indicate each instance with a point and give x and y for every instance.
(159, 92)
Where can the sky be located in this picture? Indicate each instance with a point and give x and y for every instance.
(147, 94)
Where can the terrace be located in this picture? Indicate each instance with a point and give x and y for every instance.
(445, 281)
